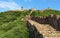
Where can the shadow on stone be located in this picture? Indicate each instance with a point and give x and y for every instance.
(33, 33)
(51, 20)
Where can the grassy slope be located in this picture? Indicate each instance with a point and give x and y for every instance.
(11, 25)
(45, 12)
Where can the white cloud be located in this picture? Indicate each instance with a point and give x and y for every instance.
(9, 5)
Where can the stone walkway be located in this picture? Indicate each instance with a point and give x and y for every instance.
(46, 30)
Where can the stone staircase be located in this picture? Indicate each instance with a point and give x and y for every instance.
(46, 30)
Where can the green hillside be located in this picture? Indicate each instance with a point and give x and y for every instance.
(45, 12)
(12, 25)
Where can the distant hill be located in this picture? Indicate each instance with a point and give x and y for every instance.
(12, 24)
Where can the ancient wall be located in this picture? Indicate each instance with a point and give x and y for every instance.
(38, 19)
(51, 19)
(33, 33)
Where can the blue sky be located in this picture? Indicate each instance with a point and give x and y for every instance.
(38, 4)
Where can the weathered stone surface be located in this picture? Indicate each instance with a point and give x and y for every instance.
(44, 29)
(51, 19)
(33, 32)
(47, 27)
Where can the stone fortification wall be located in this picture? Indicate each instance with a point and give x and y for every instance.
(53, 20)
